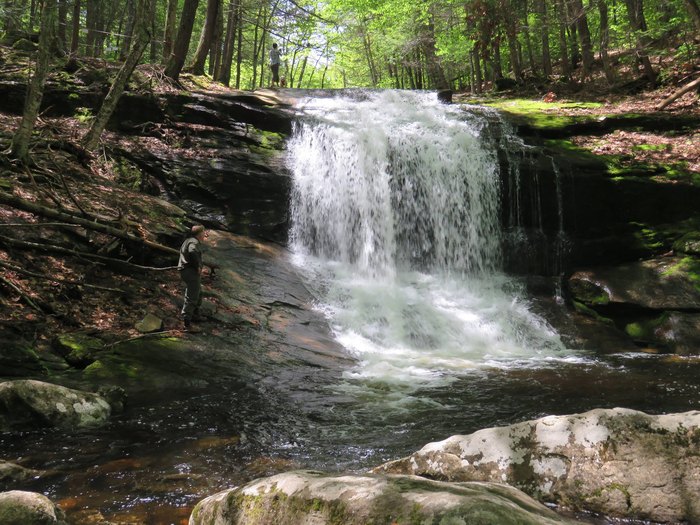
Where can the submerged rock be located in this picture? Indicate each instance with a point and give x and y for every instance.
(618, 462)
(30, 403)
(305, 497)
(29, 508)
(11, 473)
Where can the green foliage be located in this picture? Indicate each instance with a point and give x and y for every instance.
(84, 115)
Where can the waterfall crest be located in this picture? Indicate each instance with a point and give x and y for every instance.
(395, 180)
(395, 221)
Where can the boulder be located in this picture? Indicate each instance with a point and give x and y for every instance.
(78, 349)
(304, 497)
(11, 474)
(617, 462)
(664, 283)
(29, 508)
(30, 403)
(150, 323)
(675, 332)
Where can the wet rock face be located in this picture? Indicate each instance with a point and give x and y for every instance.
(304, 497)
(618, 462)
(28, 508)
(29, 403)
(657, 301)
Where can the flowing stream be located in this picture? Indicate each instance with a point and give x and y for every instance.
(395, 211)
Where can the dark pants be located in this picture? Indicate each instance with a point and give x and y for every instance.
(193, 292)
(275, 73)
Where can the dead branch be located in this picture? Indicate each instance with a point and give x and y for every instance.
(51, 248)
(8, 198)
(688, 87)
(61, 281)
(24, 296)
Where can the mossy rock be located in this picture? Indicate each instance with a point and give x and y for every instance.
(688, 244)
(78, 349)
(643, 331)
(153, 364)
(305, 497)
(588, 292)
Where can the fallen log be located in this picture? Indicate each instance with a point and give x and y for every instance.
(688, 87)
(17, 202)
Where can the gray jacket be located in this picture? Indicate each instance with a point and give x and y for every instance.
(190, 254)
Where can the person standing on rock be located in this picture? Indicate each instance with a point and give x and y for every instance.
(275, 65)
(190, 268)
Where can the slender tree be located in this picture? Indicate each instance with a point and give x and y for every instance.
(169, 31)
(35, 93)
(182, 42)
(206, 37)
(140, 42)
(638, 24)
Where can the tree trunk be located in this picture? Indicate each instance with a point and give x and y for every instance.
(169, 32)
(130, 14)
(75, 31)
(154, 42)
(90, 23)
(142, 37)
(694, 11)
(510, 20)
(20, 141)
(565, 62)
(543, 27)
(435, 71)
(635, 12)
(604, 42)
(182, 42)
(239, 54)
(688, 87)
(62, 21)
(231, 30)
(206, 38)
(528, 42)
(584, 34)
(215, 49)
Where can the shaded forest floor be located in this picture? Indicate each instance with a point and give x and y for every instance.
(44, 291)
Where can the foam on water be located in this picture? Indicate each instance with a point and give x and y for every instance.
(395, 220)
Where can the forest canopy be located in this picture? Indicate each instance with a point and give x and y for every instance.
(468, 45)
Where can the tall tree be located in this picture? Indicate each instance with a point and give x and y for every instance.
(178, 55)
(206, 37)
(75, 28)
(140, 42)
(229, 42)
(604, 41)
(35, 93)
(638, 24)
(169, 31)
(584, 34)
(543, 28)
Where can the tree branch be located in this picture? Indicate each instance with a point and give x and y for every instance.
(24, 296)
(62, 281)
(8, 198)
(65, 251)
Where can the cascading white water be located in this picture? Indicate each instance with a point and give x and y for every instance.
(395, 219)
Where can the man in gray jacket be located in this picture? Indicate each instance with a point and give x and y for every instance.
(190, 268)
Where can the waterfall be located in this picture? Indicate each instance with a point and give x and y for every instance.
(395, 221)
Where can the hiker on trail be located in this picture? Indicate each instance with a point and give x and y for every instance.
(190, 268)
(275, 65)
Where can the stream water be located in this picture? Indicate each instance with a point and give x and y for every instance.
(395, 230)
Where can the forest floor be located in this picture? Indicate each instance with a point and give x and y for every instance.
(43, 293)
